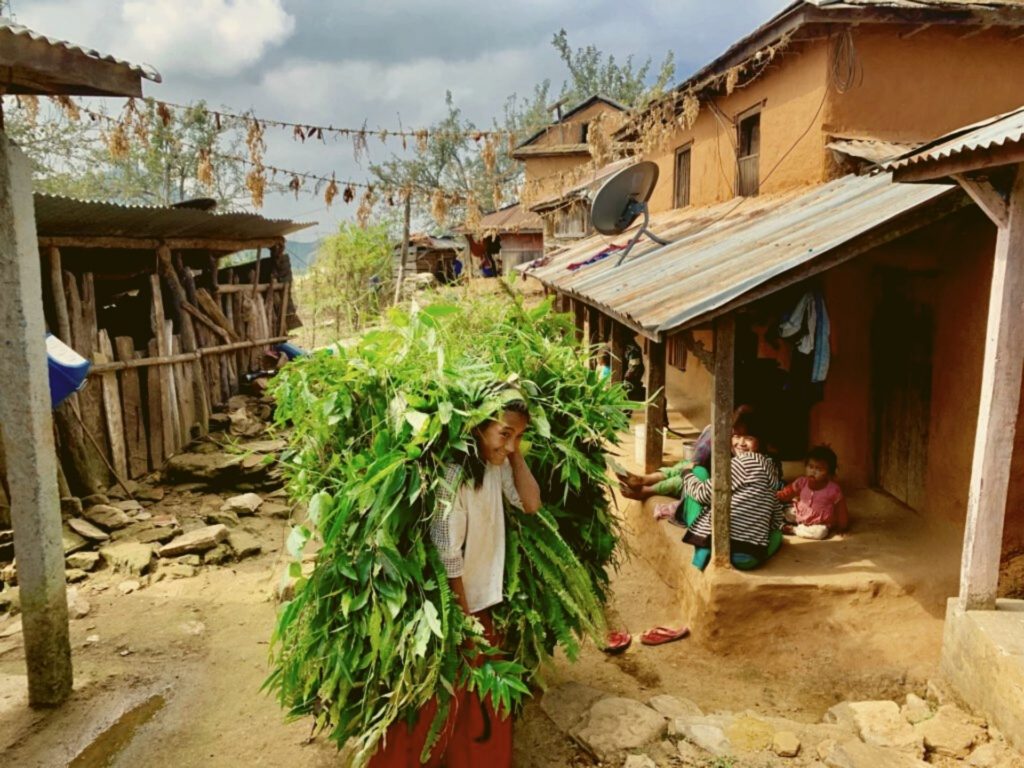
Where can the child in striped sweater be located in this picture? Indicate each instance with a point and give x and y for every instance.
(755, 517)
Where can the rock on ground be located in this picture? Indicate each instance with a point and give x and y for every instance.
(673, 707)
(786, 744)
(85, 561)
(950, 732)
(71, 541)
(244, 543)
(708, 733)
(87, 530)
(916, 710)
(568, 704)
(616, 725)
(78, 606)
(879, 723)
(220, 554)
(128, 557)
(639, 761)
(856, 754)
(243, 504)
(273, 509)
(107, 517)
(198, 540)
(128, 586)
(70, 506)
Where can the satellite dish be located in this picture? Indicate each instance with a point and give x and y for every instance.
(623, 198)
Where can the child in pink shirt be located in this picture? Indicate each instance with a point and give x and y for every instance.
(818, 507)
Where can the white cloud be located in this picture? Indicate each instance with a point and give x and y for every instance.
(218, 37)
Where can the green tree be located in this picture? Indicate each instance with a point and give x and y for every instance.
(349, 283)
(593, 72)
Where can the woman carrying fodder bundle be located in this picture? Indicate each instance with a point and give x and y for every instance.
(468, 530)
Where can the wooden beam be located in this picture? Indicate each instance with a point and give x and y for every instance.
(655, 413)
(721, 457)
(183, 357)
(963, 162)
(988, 198)
(151, 244)
(619, 339)
(997, 414)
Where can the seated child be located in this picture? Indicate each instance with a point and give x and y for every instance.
(667, 481)
(818, 508)
(755, 517)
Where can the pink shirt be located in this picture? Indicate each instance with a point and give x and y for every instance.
(824, 507)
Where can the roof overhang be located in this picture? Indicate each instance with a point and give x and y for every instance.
(31, 63)
(725, 256)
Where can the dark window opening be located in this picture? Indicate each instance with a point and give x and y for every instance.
(584, 132)
(748, 155)
(682, 183)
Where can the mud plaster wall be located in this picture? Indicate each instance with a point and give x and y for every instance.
(791, 91)
(544, 174)
(954, 260)
(568, 131)
(923, 86)
(690, 392)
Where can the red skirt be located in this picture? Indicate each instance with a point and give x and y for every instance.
(469, 739)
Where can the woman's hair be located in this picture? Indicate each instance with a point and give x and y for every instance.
(826, 456)
(475, 465)
(746, 421)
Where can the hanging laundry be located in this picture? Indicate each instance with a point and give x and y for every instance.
(810, 318)
(595, 258)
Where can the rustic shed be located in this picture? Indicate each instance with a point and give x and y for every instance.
(429, 255)
(509, 237)
(138, 291)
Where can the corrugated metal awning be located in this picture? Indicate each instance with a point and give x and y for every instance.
(58, 216)
(720, 254)
(873, 150)
(997, 131)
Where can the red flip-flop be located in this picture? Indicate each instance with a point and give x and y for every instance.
(617, 642)
(662, 635)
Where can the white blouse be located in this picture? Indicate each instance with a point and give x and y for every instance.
(468, 530)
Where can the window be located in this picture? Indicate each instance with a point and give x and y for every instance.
(748, 148)
(573, 221)
(682, 188)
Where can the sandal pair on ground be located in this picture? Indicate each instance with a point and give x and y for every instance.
(618, 642)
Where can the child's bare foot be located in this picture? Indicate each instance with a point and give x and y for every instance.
(788, 530)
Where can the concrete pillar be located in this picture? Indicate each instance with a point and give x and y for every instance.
(28, 439)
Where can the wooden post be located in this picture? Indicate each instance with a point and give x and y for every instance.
(997, 414)
(593, 332)
(655, 413)
(29, 454)
(405, 247)
(721, 455)
(620, 336)
(112, 407)
(579, 314)
(167, 395)
(131, 403)
(60, 304)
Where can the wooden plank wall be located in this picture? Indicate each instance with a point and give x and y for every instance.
(144, 403)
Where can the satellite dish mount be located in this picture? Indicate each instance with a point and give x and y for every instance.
(621, 200)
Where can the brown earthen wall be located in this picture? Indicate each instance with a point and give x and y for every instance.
(791, 92)
(923, 86)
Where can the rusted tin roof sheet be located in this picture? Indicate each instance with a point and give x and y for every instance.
(58, 216)
(720, 253)
(511, 218)
(9, 28)
(996, 131)
(872, 150)
(591, 182)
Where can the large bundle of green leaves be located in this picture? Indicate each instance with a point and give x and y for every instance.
(374, 631)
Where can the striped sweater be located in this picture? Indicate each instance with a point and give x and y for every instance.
(755, 511)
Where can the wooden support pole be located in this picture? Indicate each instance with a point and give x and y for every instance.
(620, 336)
(593, 332)
(183, 357)
(997, 414)
(29, 453)
(60, 304)
(655, 416)
(579, 311)
(721, 452)
(286, 294)
(163, 347)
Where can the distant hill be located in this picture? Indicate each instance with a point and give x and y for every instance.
(302, 254)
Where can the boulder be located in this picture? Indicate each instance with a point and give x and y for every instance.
(786, 744)
(199, 540)
(72, 541)
(950, 733)
(244, 543)
(617, 725)
(107, 517)
(86, 561)
(856, 754)
(245, 504)
(878, 723)
(128, 557)
(568, 704)
(673, 707)
(87, 530)
(214, 469)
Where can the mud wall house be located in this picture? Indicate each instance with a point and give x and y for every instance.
(756, 195)
(557, 158)
(138, 291)
(510, 236)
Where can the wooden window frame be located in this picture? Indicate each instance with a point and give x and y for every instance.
(741, 118)
(676, 202)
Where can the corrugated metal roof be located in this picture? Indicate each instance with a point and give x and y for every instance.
(9, 27)
(996, 131)
(872, 150)
(58, 216)
(720, 253)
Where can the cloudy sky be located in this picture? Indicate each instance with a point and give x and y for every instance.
(342, 63)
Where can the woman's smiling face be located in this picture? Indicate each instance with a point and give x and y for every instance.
(500, 438)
